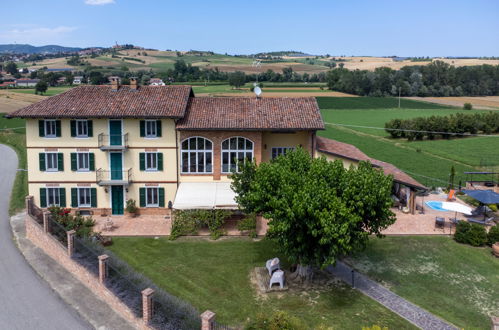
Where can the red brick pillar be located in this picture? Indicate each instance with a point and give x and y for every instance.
(147, 305)
(46, 222)
(29, 202)
(495, 322)
(103, 268)
(71, 236)
(207, 319)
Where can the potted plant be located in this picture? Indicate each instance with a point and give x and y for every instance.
(495, 249)
(131, 208)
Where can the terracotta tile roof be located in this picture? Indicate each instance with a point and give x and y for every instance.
(349, 151)
(103, 102)
(245, 113)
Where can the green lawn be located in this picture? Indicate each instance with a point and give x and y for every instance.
(16, 139)
(51, 91)
(457, 282)
(215, 275)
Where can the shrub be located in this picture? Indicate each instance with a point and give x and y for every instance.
(248, 223)
(493, 207)
(278, 321)
(467, 106)
(82, 225)
(188, 222)
(131, 206)
(493, 235)
(472, 234)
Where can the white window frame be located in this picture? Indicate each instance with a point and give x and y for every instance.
(87, 193)
(153, 155)
(80, 168)
(280, 151)
(55, 156)
(85, 123)
(154, 129)
(148, 202)
(187, 153)
(229, 150)
(55, 193)
(53, 125)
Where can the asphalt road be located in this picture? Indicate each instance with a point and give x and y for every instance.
(26, 300)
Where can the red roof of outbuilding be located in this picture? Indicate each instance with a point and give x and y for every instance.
(349, 151)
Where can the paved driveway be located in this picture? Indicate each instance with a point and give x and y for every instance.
(26, 301)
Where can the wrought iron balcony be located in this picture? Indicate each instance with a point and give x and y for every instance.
(110, 142)
(114, 177)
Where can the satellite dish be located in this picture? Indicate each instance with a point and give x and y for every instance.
(258, 91)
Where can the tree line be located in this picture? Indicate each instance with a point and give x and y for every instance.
(435, 79)
(437, 127)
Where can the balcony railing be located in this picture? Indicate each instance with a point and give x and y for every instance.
(114, 177)
(113, 141)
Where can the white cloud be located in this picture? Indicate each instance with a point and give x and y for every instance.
(98, 2)
(36, 35)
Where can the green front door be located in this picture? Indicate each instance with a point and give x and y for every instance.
(117, 199)
(115, 132)
(116, 165)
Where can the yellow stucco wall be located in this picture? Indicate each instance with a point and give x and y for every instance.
(272, 140)
(346, 162)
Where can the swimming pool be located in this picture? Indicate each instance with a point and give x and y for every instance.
(435, 205)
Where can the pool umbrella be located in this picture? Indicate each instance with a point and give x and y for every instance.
(483, 196)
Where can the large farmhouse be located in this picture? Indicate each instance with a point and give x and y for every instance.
(95, 147)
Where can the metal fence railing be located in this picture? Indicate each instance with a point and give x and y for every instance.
(36, 212)
(218, 326)
(58, 231)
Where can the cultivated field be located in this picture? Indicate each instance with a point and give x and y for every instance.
(429, 162)
(478, 102)
(11, 100)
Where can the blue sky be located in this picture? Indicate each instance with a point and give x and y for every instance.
(356, 27)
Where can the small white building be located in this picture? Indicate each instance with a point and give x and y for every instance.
(156, 82)
(24, 82)
(77, 80)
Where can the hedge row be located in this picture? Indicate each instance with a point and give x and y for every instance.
(425, 127)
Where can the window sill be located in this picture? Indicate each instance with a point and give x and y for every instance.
(82, 137)
(83, 171)
(210, 173)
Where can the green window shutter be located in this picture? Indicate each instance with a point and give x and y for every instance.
(158, 128)
(62, 197)
(90, 126)
(43, 197)
(58, 128)
(160, 161)
(91, 163)
(41, 128)
(60, 161)
(93, 197)
(73, 128)
(142, 128)
(161, 197)
(142, 158)
(41, 157)
(74, 165)
(74, 197)
(142, 197)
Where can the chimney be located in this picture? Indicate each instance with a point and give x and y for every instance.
(115, 83)
(133, 83)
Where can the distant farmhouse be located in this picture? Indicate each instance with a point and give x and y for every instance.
(156, 82)
(78, 80)
(24, 82)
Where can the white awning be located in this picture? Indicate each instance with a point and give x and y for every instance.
(205, 195)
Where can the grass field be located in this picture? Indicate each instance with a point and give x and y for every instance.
(457, 282)
(51, 91)
(216, 276)
(16, 139)
(419, 158)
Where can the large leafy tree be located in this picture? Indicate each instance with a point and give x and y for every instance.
(318, 210)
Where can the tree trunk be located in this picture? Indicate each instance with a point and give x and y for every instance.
(304, 273)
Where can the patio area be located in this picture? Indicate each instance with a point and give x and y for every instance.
(424, 224)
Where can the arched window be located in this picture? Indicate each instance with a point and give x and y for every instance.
(235, 150)
(197, 155)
